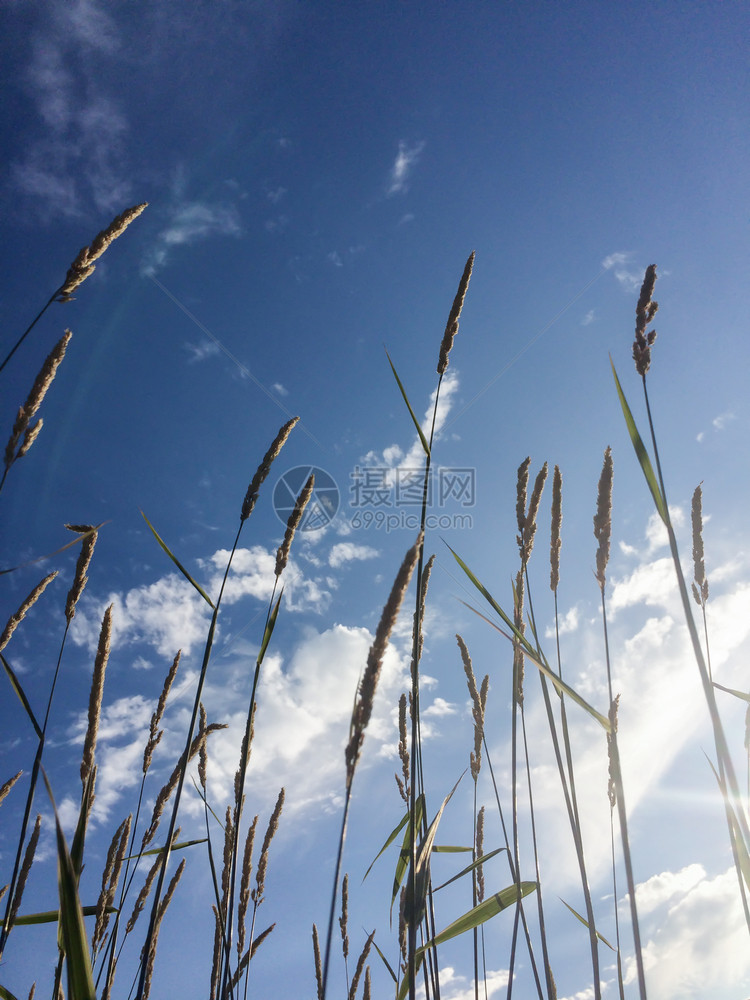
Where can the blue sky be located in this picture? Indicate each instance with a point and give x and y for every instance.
(317, 175)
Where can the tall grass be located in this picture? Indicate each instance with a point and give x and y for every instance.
(138, 878)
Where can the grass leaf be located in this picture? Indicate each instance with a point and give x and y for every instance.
(640, 451)
(16, 685)
(737, 694)
(50, 916)
(471, 867)
(422, 438)
(481, 913)
(585, 923)
(77, 958)
(177, 562)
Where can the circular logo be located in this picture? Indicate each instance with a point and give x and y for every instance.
(323, 504)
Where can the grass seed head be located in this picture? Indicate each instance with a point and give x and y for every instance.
(451, 327)
(368, 686)
(15, 620)
(84, 559)
(644, 313)
(700, 583)
(83, 265)
(603, 518)
(264, 468)
(4, 789)
(95, 695)
(23, 875)
(295, 517)
(555, 540)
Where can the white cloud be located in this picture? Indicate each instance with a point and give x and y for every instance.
(720, 422)
(199, 352)
(406, 158)
(454, 986)
(276, 194)
(79, 160)
(698, 945)
(335, 258)
(659, 889)
(189, 223)
(568, 623)
(280, 389)
(344, 552)
(630, 277)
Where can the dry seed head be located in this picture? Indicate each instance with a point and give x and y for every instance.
(28, 411)
(403, 749)
(257, 942)
(226, 870)
(32, 991)
(4, 789)
(644, 313)
(247, 868)
(157, 924)
(318, 963)
(451, 328)
(110, 878)
(154, 733)
(273, 825)
(84, 559)
(360, 966)
(28, 860)
(344, 916)
(292, 524)
(529, 523)
(163, 797)
(368, 686)
(202, 753)
(425, 580)
(477, 709)
(522, 482)
(15, 620)
(480, 852)
(83, 265)
(264, 468)
(555, 541)
(367, 991)
(95, 695)
(700, 584)
(144, 893)
(245, 750)
(603, 518)
(30, 436)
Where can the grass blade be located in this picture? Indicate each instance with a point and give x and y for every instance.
(640, 451)
(480, 914)
(585, 923)
(50, 916)
(15, 684)
(78, 960)
(422, 438)
(177, 562)
(471, 867)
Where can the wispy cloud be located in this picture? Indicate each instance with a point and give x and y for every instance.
(199, 352)
(280, 389)
(406, 158)
(589, 318)
(627, 274)
(190, 222)
(344, 552)
(79, 160)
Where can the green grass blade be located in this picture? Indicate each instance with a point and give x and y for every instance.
(51, 916)
(6, 994)
(480, 914)
(77, 958)
(447, 849)
(50, 555)
(391, 837)
(422, 438)
(386, 963)
(471, 867)
(404, 987)
(15, 684)
(415, 908)
(268, 632)
(585, 923)
(640, 451)
(79, 837)
(159, 850)
(402, 865)
(528, 650)
(177, 562)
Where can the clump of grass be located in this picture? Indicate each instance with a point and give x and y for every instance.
(239, 886)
